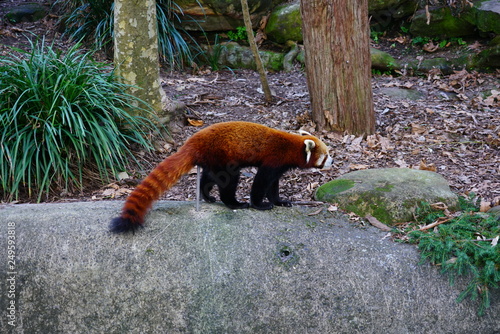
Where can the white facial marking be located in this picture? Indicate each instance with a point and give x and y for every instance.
(310, 144)
(320, 160)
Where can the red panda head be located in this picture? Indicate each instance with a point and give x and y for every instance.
(316, 151)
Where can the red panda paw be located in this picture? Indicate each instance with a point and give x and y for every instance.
(283, 203)
(263, 206)
(209, 199)
(237, 205)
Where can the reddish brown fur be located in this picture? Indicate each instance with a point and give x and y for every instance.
(220, 145)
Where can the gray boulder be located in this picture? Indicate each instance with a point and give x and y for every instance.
(26, 12)
(287, 270)
(388, 194)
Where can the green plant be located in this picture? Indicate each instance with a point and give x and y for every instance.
(466, 245)
(174, 48)
(213, 54)
(92, 20)
(239, 35)
(375, 35)
(63, 119)
(419, 40)
(89, 20)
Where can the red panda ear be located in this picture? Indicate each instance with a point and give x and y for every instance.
(310, 144)
(304, 133)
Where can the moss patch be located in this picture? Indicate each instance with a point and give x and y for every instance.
(328, 190)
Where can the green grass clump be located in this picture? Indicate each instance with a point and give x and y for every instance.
(62, 117)
(92, 21)
(463, 246)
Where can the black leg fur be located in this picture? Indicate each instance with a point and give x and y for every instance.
(274, 197)
(266, 183)
(206, 185)
(228, 193)
(227, 181)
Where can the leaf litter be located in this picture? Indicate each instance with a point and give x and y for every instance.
(452, 129)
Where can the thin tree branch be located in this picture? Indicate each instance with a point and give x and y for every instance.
(255, 51)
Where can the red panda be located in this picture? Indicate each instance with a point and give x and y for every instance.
(222, 149)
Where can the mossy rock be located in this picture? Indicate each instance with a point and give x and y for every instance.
(487, 16)
(378, 5)
(234, 55)
(388, 194)
(442, 24)
(487, 59)
(285, 23)
(27, 12)
(383, 61)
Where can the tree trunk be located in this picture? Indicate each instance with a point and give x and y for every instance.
(338, 65)
(253, 46)
(136, 50)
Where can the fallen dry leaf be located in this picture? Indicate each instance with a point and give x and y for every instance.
(493, 99)
(484, 206)
(195, 122)
(333, 208)
(476, 46)
(358, 166)
(378, 224)
(439, 206)
(417, 129)
(430, 47)
(427, 15)
(424, 166)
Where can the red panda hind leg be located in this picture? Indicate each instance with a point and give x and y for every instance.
(266, 184)
(206, 184)
(227, 182)
(274, 197)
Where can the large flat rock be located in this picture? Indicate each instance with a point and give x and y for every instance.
(219, 271)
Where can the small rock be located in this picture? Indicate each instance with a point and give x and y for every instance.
(388, 194)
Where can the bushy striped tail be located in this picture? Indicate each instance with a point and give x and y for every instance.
(162, 178)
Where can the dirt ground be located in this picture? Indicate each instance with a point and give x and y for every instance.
(450, 127)
(450, 124)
